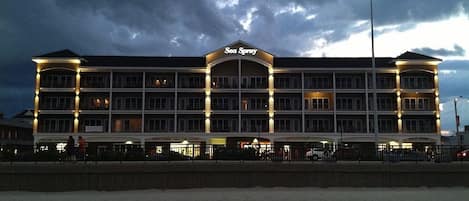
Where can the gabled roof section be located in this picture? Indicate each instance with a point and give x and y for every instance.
(60, 54)
(415, 56)
(237, 49)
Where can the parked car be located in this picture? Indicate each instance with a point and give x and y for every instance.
(463, 155)
(318, 153)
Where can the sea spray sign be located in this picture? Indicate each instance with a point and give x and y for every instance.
(240, 50)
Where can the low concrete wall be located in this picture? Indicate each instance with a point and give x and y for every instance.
(162, 175)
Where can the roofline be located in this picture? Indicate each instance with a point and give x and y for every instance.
(237, 41)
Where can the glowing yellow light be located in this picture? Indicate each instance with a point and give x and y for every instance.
(207, 125)
(399, 115)
(271, 125)
(54, 60)
(271, 114)
(35, 121)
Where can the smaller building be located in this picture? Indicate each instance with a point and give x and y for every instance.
(16, 133)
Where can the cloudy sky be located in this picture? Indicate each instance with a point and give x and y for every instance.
(191, 28)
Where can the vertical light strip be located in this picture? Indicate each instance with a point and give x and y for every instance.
(77, 101)
(437, 102)
(36, 98)
(271, 99)
(207, 99)
(398, 95)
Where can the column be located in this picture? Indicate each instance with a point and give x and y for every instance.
(335, 102)
(367, 104)
(110, 103)
(143, 104)
(175, 102)
(271, 99)
(399, 107)
(302, 102)
(437, 102)
(77, 100)
(207, 98)
(36, 98)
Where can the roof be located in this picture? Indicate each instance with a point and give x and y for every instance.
(15, 123)
(332, 62)
(125, 61)
(60, 54)
(284, 62)
(29, 113)
(412, 55)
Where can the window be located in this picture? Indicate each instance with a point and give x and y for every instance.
(254, 125)
(255, 103)
(317, 104)
(159, 80)
(56, 125)
(419, 125)
(349, 103)
(286, 103)
(94, 80)
(192, 81)
(127, 80)
(418, 103)
(127, 103)
(191, 103)
(254, 82)
(191, 125)
(318, 82)
(57, 103)
(58, 80)
(159, 125)
(318, 125)
(417, 82)
(224, 82)
(349, 82)
(351, 125)
(159, 103)
(287, 125)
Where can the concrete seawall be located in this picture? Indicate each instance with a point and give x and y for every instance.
(174, 175)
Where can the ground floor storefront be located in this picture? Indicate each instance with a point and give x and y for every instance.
(241, 148)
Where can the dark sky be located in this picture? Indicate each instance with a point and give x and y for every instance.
(193, 28)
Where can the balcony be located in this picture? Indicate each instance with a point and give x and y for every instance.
(159, 80)
(162, 125)
(224, 125)
(94, 80)
(127, 80)
(58, 79)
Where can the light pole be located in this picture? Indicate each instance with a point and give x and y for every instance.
(457, 121)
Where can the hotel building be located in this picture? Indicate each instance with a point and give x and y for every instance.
(233, 95)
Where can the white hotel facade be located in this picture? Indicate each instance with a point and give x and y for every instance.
(232, 95)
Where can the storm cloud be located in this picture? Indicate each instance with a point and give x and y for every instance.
(458, 51)
(189, 28)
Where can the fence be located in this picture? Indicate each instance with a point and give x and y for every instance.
(265, 152)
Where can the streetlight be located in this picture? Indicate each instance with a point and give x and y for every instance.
(460, 136)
